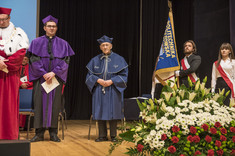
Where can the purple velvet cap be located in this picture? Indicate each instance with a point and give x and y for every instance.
(49, 18)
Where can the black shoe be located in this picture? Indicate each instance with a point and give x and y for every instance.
(55, 138)
(37, 138)
(100, 139)
(113, 139)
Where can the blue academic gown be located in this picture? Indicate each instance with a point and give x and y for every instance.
(107, 103)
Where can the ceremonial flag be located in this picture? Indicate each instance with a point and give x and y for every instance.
(168, 58)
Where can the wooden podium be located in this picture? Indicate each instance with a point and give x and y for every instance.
(14, 148)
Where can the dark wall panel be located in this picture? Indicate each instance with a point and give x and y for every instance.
(232, 22)
(155, 15)
(211, 29)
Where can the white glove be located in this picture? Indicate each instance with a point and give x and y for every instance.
(153, 89)
(177, 73)
(152, 95)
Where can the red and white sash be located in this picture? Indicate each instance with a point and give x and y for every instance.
(185, 66)
(227, 78)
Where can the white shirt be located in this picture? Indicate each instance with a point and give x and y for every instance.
(228, 66)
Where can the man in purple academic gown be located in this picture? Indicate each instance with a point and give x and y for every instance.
(49, 57)
(106, 80)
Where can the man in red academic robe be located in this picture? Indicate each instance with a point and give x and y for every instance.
(13, 45)
(24, 83)
(24, 75)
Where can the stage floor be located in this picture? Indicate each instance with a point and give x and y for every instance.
(75, 143)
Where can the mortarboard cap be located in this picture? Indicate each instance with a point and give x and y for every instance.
(104, 39)
(49, 18)
(5, 11)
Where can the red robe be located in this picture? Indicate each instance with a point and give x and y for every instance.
(30, 86)
(9, 96)
(26, 73)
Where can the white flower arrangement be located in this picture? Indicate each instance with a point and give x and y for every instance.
(181, 108)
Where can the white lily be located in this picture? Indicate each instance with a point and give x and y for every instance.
(197, 85)
(160, 101)
(206, 101)
(221, 92)
(163, 107)
(137, 140)
(232, 103)
(167, 95)
(203, 92)
(175, 87)
(215, 97)
(181, 92)
(143, 114)
(138, 128)
(207, 90)
(178, 99)
(192, 96)
(151, 104)
(174, 93)
(202, 86)
(153, 118)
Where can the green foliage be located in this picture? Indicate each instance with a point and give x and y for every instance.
(141, 106)
(128, 136)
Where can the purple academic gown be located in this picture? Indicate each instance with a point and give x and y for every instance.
(107, 102)
(42, 61)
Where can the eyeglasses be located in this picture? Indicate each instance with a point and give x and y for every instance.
(51, 26)
(4, 20)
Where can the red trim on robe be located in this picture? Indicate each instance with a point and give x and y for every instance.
(63, 89)
(22, 120)
(185, 68)
(9, 96)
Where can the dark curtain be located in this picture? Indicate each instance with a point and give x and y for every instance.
(81, 23)
(184, 24)
(232, 22)
(211, 29)
(155, 15)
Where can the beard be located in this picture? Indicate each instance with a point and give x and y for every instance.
(188, 52)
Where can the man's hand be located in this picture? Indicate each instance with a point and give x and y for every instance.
(105, 83)
(101, 82)
(108, 83)
(2, 64)
(177, 73)
(24, 85)
(48, 77)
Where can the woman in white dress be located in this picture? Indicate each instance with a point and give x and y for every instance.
(223, 72)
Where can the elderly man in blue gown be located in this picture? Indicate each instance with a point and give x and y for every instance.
(107, 80)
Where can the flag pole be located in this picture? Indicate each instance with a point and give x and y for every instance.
(171, 18)
(140, 44)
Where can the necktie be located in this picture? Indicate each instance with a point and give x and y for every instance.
(50, 48)
(22, 71)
